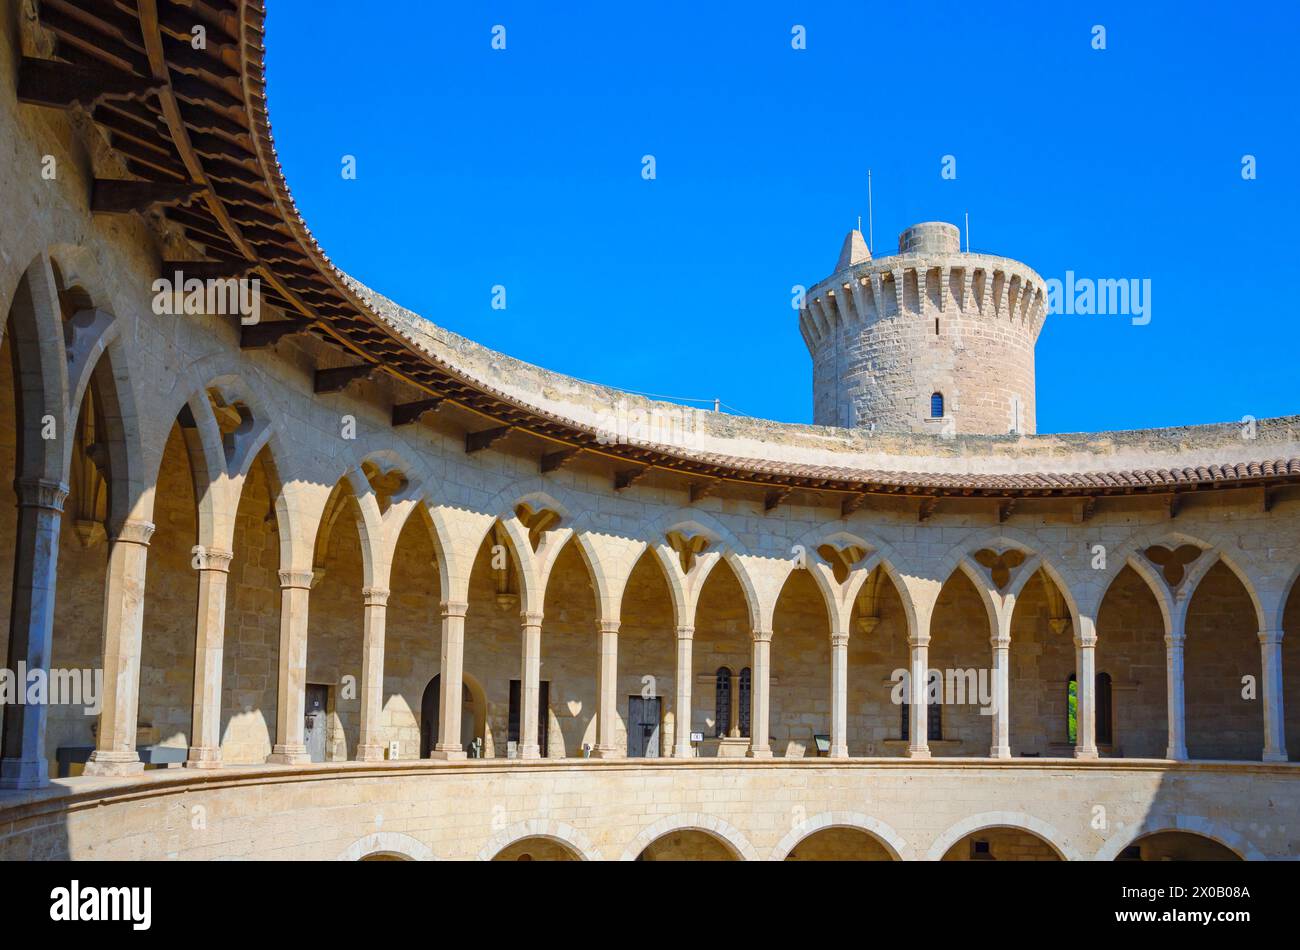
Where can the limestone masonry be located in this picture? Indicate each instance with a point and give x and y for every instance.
(360, 588)
(931, 340)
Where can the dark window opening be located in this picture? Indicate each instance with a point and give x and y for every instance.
(722, 702)
(745, 694)
(936, 403)
(1104, 715)
(933, 722)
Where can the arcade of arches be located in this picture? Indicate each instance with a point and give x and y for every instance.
(432, 579)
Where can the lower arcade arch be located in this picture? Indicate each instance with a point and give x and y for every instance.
(1002, 843)
(840, 843)
(1177, 846)
(538, 848)
(688, 844)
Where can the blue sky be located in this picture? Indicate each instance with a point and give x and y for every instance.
(478, 167)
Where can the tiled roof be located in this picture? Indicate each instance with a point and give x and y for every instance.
(208, 127)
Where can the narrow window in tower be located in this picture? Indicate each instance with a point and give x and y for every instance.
(936, 406)
(936, 326)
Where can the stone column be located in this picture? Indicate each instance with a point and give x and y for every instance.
(213, 566)
(918, 746)
(449, 746)
(1270, 645)
(530, 689)
(1001, 748)
(31, 627)
(291, 696)
(115, 753)
(682, 748)
(607, 691)
(840, 696)
(759, 714)
(369, 748)
(1085, 656)
(1176, 711)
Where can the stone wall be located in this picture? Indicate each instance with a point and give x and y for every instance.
(615, 810)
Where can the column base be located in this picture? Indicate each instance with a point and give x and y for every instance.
(1086, 754)
(448, 753)
(288, 755)
(839, 753)
(759, 754)
(1276, 756)
(370, 753)
(113, 764)
(607, 752)
(202, 757)
(686, 751)
(918, 753)
(530, 752)
(1000, 752)
(24, 774)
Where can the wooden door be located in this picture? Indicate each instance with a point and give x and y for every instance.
(543, 705)
(643, 715)
(315, 726)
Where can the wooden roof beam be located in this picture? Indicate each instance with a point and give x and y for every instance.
(208, 270)
(408, 413)
(337, 379)
(928, 504)
(123, 196)
(58, 85)
(702, 490)
(554, 461)
(773, 499)
(1084, 508)
(485, 438)
(629, 477)
(256, 336)
(852, 504)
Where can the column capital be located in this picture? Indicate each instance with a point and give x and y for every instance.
(211, 559)
(530, 619)
(375, 596)
(762, 636)
(1270, 638)
(41, 493)
(453, 608)
(1086, 643)
(133, 532)
(839, 639)
(1175, 641)
(607, 626)
(296, 580)
(685, 632)
(1000, 642)
(921, 641)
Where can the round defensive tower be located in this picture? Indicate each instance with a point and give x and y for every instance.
(929, 340)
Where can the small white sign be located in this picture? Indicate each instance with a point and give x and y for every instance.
(697, 737)
(394, 749)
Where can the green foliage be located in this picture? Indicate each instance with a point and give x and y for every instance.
(1072, 703)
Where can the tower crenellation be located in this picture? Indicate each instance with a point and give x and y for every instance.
(932, 339)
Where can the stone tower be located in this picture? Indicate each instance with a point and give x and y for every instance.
(929, 340)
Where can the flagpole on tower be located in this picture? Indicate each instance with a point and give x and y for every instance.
(871, 244)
